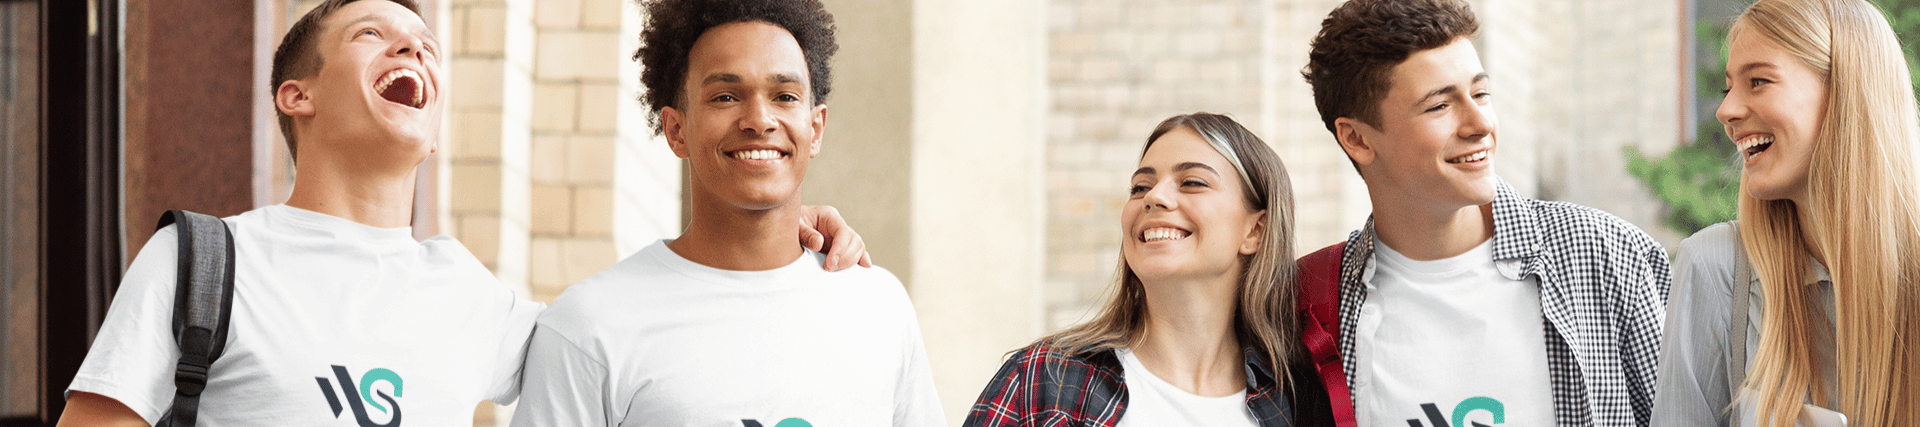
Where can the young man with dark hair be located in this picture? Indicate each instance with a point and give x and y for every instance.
(733, 323)
(339, 316)
(1461, 301)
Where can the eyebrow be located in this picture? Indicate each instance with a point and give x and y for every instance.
(1450, 89)
(781, 78)
(387, 20)
(1750, 66)
(1148, 170)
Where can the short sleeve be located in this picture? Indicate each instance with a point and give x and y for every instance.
(916, 402)
(133, 357)
(516, 332)
(564, 385)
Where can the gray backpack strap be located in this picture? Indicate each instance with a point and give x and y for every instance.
(202, 306)
(1737, 334)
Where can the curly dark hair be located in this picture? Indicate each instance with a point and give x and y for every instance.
(298, 57)
(674, 25)
(1362, 40)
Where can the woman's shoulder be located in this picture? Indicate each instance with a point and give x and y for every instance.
(1715, 249)
(1705, 269)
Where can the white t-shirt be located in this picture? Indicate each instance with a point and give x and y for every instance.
(1452, 339)
(323, 309)
(658, 340)
(1152, 401)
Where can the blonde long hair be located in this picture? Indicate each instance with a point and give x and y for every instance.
(1264, 316)
(1861, 189)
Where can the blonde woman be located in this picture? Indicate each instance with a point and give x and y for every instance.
(1205, 302)
(1821, 107)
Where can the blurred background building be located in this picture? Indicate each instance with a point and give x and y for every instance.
(981, 147)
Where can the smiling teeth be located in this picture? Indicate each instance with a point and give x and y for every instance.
(1747, 146)
(419, 88)
(1163, 233)
(757, 154)
(1482, 155)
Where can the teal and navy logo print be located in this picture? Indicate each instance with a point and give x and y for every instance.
(1478, 403)
(790, 422)
(358, 399)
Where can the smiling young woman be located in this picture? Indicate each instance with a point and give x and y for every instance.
(1820, 104)
(1200, 330)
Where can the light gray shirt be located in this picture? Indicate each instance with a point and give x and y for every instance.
(1692, 388)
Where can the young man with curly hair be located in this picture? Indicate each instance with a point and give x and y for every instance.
(733, 323)
(339, 316)
(1462, 302)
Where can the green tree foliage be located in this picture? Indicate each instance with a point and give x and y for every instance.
(1700, 181)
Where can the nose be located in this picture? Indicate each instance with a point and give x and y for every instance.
(1161, 196)
(1476, 121)
(758, 119)
(409, 45)
(1732, 109)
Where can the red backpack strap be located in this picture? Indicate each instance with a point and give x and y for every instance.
(1319, 301)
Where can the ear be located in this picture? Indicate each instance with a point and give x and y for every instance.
(1353, 141)
(292, 98)
(819, 123)
(1256, 235)
(673, 126)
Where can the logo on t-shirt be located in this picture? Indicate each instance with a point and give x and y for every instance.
(358, 399)
(790, 422)
(1460, 412)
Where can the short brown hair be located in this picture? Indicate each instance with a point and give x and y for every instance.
(298, 57)
(1351, 64)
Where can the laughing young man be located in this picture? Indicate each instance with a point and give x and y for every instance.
(733, 323)
(340, 318)
(1462, 302)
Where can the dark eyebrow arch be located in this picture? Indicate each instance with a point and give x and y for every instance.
(721, 78)
(1449, 89)
(1148, 170)
(784, 78)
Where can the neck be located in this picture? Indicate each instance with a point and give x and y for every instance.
(371, 196)
(730, 238)
(1189, 339)
(1810, 230)
(1427, 235)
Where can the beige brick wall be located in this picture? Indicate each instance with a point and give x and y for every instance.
(575, 101)
(1116, 68)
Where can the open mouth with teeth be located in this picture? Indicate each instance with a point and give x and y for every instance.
(1754, 145)
(1477, 156)
(404, 87)
(1161, 234)
(757, 154)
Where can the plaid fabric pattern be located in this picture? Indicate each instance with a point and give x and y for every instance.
(1043, 386)
(1603, 293)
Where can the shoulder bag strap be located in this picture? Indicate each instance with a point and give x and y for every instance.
(1737, 334)
(203, 303)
